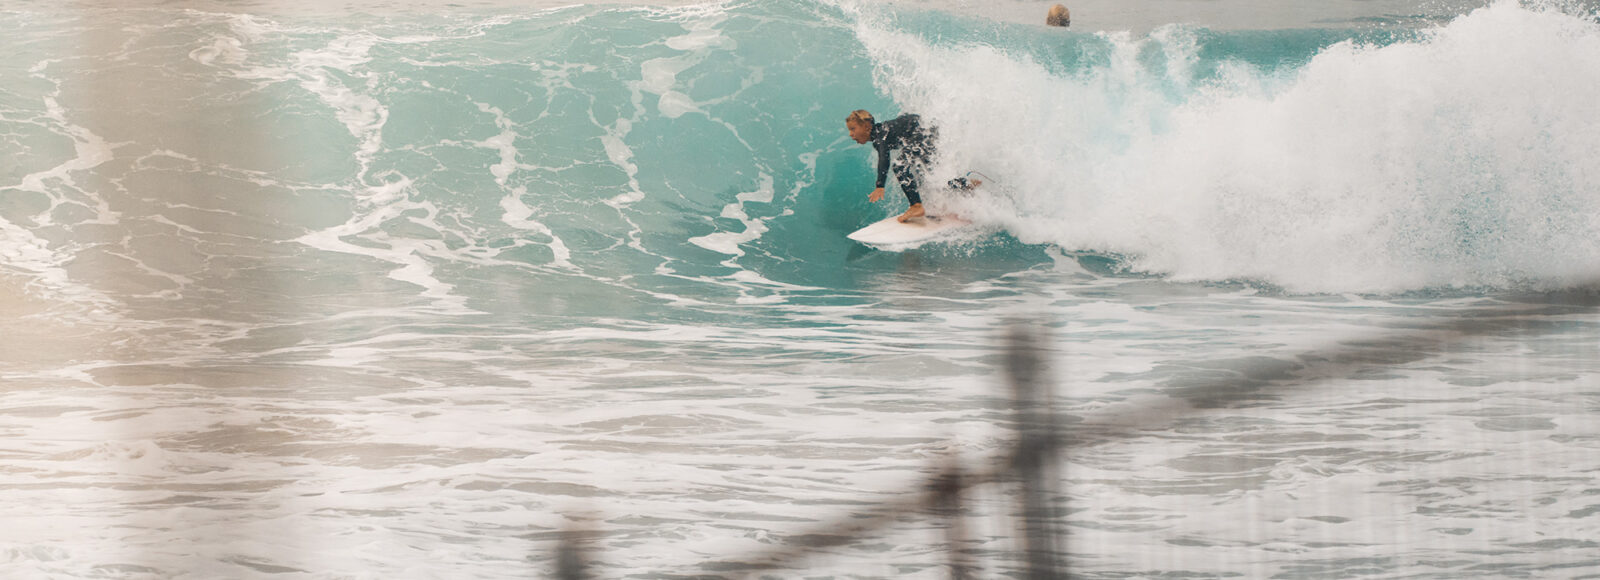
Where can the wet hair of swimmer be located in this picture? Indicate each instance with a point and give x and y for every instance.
(1058, 16)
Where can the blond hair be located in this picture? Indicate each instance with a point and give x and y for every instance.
(859, 117)
(1058, 16)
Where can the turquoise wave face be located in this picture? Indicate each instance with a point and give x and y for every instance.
(651, 154)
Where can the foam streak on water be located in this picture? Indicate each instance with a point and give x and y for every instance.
(409, 296)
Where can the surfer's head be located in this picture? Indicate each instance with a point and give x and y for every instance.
(859, 123)
(1058, 16)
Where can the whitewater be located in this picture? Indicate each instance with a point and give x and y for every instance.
(414, 292)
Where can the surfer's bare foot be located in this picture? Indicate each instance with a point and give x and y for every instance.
(914, 212)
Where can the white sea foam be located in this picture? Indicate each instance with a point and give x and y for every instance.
(1398, 166)
(362, 114)
(384, 196)
(660, 76)
(25, 252)
(517, 214)
(728, 242)
(230, 50)
(90, 151)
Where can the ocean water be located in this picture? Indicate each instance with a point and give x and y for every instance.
(407, 293)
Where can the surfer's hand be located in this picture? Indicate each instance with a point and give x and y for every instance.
(876, 195)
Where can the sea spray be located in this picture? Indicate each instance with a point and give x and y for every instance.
(1454, 156)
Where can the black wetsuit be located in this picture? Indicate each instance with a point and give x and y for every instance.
(915, 143)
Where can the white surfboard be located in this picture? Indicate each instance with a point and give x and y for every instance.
(890, 233)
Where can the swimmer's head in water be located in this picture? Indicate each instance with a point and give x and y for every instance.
(1058, 16)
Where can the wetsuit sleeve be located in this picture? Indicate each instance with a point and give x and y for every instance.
(883, 162)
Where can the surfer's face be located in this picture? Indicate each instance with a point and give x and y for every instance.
(861, 132)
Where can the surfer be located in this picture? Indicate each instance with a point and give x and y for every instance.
(915, 143)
